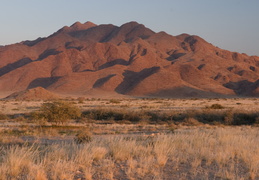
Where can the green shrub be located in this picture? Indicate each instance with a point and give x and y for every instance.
(57, 112)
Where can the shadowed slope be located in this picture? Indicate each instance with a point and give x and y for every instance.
(130, 59)
(38, 93)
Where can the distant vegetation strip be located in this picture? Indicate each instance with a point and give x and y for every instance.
(60, 112)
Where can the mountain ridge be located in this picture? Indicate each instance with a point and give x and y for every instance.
(130, 59)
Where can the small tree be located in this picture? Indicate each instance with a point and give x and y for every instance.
(58, 112)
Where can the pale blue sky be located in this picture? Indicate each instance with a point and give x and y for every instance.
(228, 24)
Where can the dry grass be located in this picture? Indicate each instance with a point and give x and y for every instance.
(146, 111)
(132, 139)
(246, 104)
(193, 153)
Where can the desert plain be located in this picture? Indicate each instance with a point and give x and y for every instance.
(131, 138)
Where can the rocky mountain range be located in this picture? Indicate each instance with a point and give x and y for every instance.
(130, 60)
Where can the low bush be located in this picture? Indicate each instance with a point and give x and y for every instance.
(115, 114)
(58, 112)
(115, 101)
(103, 114)
(3, 116)
(229, 118)
(191, 122)
(194, 117)
(244, 118)
(216, 106)
(83, 137)
(257, 121)
(209, 116)
(81, 100)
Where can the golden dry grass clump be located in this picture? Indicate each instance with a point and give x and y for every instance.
(189, 153)
(129, 139)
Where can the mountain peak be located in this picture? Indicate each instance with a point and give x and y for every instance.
(89, 23)
(130, 59)
(131, 23)
(77, 26)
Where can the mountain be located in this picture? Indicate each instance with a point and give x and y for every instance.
(38, 93)
(131, 60)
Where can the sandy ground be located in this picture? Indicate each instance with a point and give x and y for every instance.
(130, 151)
(240, 104)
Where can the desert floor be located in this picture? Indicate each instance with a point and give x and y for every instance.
(132, 139)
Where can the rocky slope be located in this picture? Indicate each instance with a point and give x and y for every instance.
(131, 60)
(37, 93)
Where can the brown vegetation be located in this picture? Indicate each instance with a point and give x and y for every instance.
(130, 139)
(220, 153)
(58, 112)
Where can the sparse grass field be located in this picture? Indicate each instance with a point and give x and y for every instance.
(132, 139)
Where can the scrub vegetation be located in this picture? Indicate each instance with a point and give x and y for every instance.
(133, 139)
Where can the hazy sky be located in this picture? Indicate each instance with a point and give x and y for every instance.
(228, 24)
